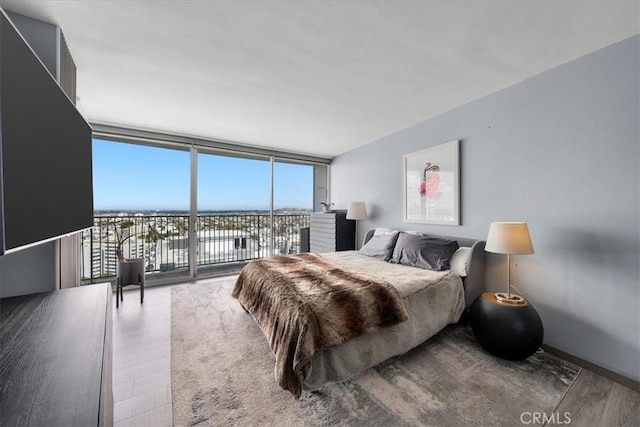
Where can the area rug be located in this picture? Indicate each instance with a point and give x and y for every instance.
(222, 374)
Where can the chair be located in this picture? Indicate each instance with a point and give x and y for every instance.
(130, 273)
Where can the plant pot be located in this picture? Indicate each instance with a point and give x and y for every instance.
(131, 272)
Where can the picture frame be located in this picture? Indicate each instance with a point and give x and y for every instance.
(432, 185)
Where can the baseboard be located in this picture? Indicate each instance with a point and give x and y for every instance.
(613, 376)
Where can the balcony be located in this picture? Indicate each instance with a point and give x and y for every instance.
(224, 240)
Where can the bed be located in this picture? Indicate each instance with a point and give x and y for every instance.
(379, 304)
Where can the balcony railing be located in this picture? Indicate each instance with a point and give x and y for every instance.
(163, 240)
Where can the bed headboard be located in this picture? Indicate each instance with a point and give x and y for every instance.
(474, 282)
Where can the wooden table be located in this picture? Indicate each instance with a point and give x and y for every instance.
(55, 358)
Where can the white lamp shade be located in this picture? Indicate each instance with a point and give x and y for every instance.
(357, 210)
(509, 238)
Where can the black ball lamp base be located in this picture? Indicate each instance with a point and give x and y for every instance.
(509, 331)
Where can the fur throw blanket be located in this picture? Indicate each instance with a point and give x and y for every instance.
(304, 303)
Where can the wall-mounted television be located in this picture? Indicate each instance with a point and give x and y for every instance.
(46, 187)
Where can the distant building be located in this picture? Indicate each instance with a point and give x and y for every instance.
(216, 246)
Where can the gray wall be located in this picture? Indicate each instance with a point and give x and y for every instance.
(28, 271)
(560, 151)
(42, 37)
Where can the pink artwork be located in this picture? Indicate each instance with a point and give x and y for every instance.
(431, 194)
(430, 181)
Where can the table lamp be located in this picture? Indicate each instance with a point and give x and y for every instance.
(510, 238)
(356, 211)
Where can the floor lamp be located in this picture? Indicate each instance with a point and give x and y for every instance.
(356, 211)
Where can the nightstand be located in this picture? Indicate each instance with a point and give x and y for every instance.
(510, 331)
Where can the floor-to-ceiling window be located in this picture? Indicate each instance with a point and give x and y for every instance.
(191, 210)
(141, 206)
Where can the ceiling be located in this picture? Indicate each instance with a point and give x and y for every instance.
(312, 77)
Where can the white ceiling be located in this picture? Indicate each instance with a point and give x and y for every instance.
(313, 77)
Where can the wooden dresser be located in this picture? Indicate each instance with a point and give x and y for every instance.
(332, 232)
(55, 358)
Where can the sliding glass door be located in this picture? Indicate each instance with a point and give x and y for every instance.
(293, 202)
(191, 210)
(233, 204)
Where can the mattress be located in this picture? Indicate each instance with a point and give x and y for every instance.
(433, 299)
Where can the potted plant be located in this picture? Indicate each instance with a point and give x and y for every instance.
(122, 233)
(326, 206)
(131, 270)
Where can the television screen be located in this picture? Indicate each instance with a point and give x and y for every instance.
(45, 151)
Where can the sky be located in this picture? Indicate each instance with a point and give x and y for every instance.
(136, 177)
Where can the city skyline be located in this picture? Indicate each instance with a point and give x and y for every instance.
(163, 240)
(131, 177)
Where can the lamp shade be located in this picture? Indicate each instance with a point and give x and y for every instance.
(509, 238)
(357, 210)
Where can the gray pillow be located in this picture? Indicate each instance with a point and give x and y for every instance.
(432, 253)
(380, 246)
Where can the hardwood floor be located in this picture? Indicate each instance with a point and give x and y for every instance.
(141, 358)
(594, 400)
(142, 373)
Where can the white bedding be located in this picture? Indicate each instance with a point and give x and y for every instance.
(433, 300)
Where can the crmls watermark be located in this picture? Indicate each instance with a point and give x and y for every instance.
(543, 418)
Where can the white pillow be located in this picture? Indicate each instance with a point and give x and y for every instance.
(460, 261)
(384, 231)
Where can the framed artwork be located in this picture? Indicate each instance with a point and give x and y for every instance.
(432, 185)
